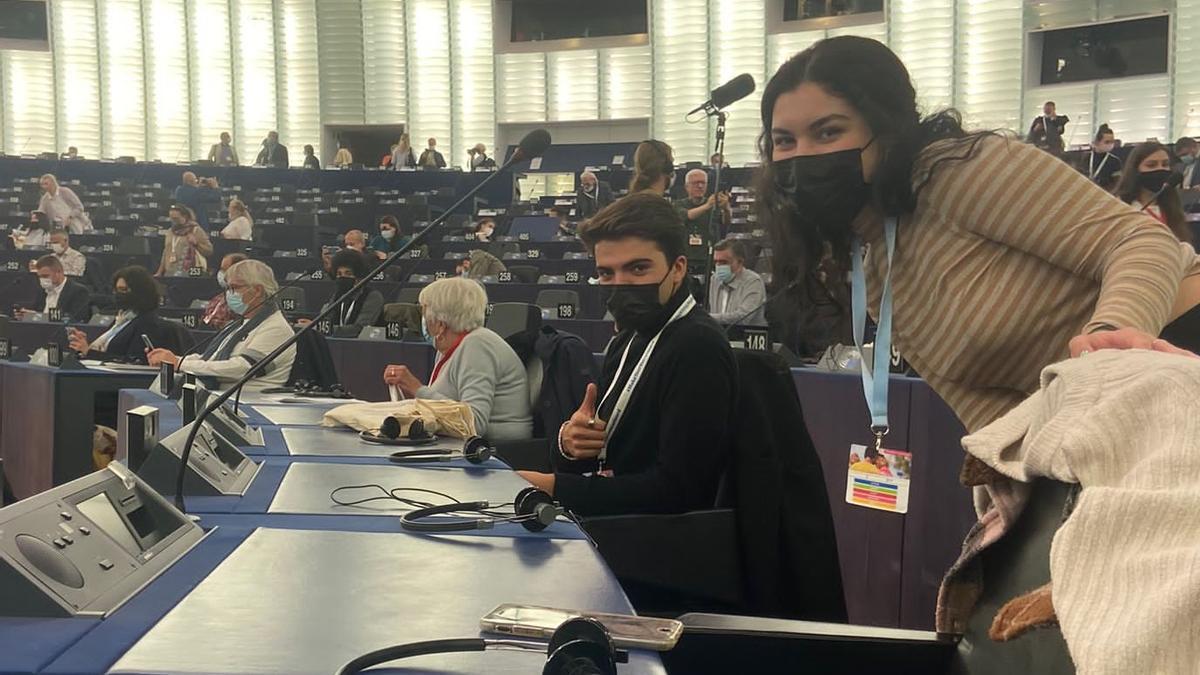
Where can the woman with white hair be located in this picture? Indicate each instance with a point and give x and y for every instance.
(245, 342)
(63, 206)
(474, 365)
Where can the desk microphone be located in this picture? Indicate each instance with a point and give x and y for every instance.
(533, 145)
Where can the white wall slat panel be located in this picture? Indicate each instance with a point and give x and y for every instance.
(299, 114)
(473, 73)
(741, 47)
(76, 75)
(340, 47)
(254, 82)
(522, 87)
(680, 53)
(989, 63)
(574, 85)
(429, 78)
(626, 87)
(29, 122)
(921, 32)
(1186, 115)
(169, 119)
(1137, 108)
(123, 93)
(385, 64)
(208, 26)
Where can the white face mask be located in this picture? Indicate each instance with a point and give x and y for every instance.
(46, 283)
(58, 249)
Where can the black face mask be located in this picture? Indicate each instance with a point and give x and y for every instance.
(1153, 180)
(635, 306)
(343, 284)
(827, 190)
(122, 299)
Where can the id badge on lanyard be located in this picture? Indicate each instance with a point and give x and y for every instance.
(877, 478)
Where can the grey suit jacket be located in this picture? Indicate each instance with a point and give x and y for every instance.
(740, 301)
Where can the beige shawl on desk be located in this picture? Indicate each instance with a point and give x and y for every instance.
(1125, 566)
(444, 418)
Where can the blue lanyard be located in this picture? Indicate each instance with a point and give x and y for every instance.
(875, 380)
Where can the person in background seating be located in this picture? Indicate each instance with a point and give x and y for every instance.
(310, 158)
(34, 236)
(389, 238)
(402, 154)
(198, 194)
(186, 245)
(136, 295)
(357, 312)
(243, 343)
(355, 240)
(657, 442)
(62, 205)
(343, 158)
(1186, 149)
(484, 230)
(474, 365)
(74, 263)
(72, 299)
(71, 153)
(717, 159)
(273, 152)
(431, 158)
(1102, 165)
(592, 195)
(1146, 185)
(240, 226)
(736, 295)
(217, 313)
(223, 153)
(479, 264)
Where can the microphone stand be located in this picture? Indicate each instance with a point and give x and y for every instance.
(417, 239)
(713, 223)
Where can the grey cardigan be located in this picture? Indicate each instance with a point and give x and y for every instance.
(486, 374)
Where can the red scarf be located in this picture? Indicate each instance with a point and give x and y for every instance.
(437, 369)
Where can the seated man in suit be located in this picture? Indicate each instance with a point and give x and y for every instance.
(431, 158)
(71, 298)
(655, 437)
(592, 196)
(736, 295)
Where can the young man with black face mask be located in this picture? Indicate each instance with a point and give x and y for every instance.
(361, 309)
(654, 437)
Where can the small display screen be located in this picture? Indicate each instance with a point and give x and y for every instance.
(100, 510)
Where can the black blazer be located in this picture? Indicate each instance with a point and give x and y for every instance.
(281, 157)
(437, 159)
(586, 207)
(128, 346)
(75, 301)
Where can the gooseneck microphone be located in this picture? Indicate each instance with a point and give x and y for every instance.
(533, 145)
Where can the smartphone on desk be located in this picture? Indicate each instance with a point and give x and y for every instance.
(627, 631)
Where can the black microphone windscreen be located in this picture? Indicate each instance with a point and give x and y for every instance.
(733, 91)
(534, 144)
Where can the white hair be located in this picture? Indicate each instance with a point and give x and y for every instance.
(587, 174)
(52, 177)
(697, 172)
(459, 303)
(252, 273)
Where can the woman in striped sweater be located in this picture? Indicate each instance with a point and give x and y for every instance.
(1005, 259)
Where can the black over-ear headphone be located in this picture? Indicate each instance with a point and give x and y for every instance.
(667, 166)
(535, 511)
(476, 450)
(580, 646)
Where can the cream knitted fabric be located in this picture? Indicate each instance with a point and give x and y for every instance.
(1125, 566)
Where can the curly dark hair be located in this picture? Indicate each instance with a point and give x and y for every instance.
(143, 289)
(351, 259)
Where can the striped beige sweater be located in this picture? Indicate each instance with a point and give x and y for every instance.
(1009, 255)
